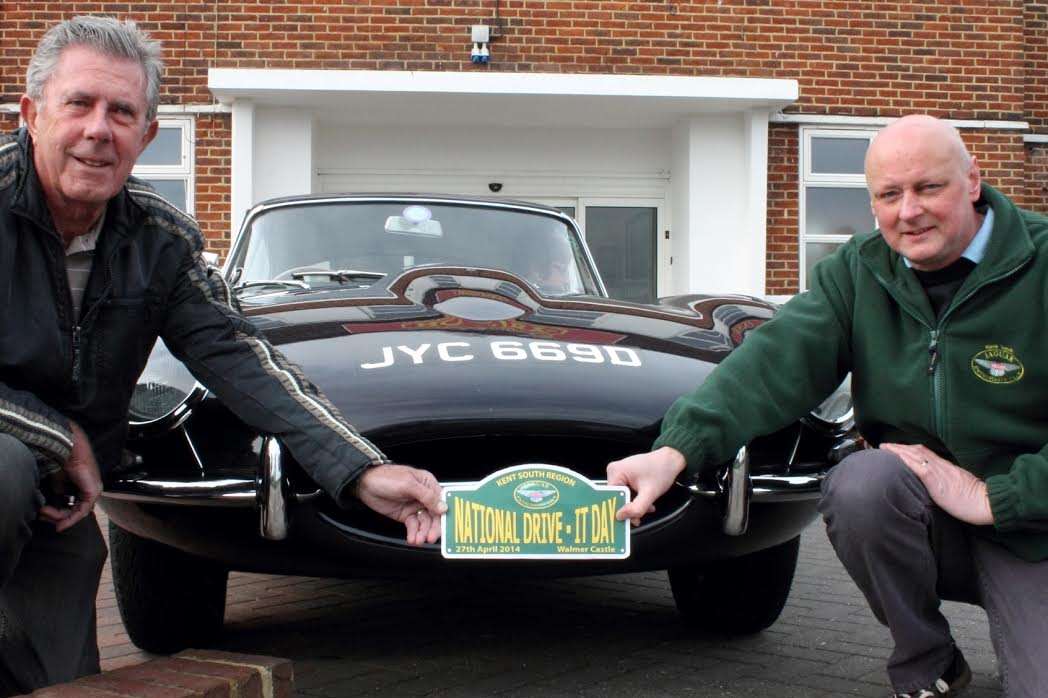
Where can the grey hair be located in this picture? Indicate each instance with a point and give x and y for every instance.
(106, 35)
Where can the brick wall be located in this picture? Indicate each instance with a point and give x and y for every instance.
(966, 60)
(783, 183)
(1036, 177)
(1035, 43)
(962, 59)
(213, 179)
(1001, 159)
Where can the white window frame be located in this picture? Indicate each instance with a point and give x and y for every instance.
(186, 170)
(822, 179)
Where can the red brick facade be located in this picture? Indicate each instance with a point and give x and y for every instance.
(1035, 102)
(1036, 177)
(965, 60)
(213, 177)
(783, 242)
(1035, 64)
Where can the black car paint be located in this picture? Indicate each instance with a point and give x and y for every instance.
(464, 419)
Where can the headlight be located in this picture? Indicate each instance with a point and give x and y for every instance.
(835, 412)
(163, 387)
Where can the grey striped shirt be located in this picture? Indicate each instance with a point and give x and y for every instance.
(80, 254)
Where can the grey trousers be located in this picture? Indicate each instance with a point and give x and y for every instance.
(906, 555)
(48, 584)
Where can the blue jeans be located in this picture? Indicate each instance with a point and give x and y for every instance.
(906, 555)
(48, 584)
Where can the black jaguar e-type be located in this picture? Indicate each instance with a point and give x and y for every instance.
(463, 336)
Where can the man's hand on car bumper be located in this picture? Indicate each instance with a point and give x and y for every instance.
(649, 475)
(406, 494)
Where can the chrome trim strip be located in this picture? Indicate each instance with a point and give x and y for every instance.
(792, 458)
(772, 488)
(192, 449)
(273, 520)
(244, 492)
(786, 488)
(229, 492)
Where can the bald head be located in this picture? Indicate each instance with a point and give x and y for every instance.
(918, 130)
(923, 184)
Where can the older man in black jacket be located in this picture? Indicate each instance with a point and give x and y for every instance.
(94, 266)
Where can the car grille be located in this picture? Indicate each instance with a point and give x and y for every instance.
(472, 458)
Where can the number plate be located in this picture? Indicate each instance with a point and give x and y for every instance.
(535, 511)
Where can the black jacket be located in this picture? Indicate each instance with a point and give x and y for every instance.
(148, 280)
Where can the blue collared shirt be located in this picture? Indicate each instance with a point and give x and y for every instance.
(976, 249)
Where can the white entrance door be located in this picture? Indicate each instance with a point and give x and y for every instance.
(629, 242)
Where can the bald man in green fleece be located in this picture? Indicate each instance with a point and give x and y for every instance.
(940, 316)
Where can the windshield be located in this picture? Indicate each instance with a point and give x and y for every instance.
(368, 244)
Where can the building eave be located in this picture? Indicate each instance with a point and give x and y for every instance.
(507, 99)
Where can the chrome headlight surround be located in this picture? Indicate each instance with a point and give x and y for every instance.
(165, 393)
(835, 414)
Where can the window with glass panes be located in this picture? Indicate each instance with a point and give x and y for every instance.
(834, 201)
(167, 162)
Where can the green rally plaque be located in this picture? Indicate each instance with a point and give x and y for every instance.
(534, 511)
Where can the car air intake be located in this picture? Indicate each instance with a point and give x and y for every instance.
(472, 458)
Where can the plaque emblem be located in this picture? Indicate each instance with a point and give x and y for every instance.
(536, 494)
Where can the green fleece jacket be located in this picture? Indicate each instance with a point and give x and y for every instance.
(971, 385)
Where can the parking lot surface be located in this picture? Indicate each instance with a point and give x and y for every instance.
(608, 636)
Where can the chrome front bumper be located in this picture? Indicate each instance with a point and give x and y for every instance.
(270, 494)
(737, 487)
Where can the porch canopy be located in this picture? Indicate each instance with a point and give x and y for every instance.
(500, 99)
(702, 142)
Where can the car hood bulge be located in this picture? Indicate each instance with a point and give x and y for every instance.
(471, 346)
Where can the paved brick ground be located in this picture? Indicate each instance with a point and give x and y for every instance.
(613, 636)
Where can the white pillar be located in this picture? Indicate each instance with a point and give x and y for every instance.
(242, 194)
(283, 153)
(720, 174)
(755, 226)
(681, 206)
